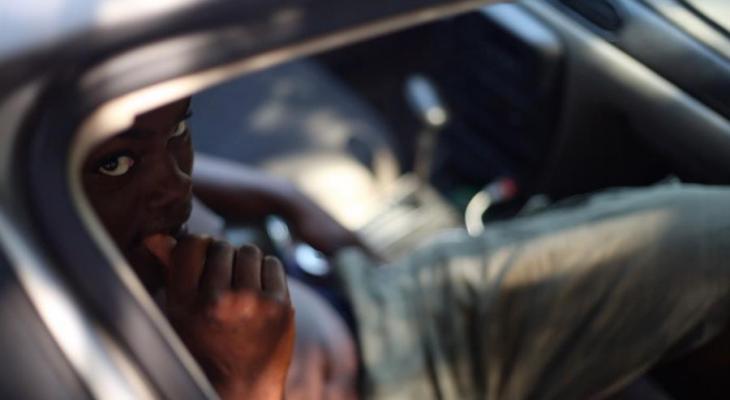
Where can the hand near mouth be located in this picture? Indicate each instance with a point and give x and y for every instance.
(231, 307)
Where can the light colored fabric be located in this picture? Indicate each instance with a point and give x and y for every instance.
(555, 305)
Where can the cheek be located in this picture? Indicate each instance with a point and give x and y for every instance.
(184, 158)
(117, 210)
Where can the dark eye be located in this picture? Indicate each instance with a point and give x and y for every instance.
(116, 166)
(180, 129)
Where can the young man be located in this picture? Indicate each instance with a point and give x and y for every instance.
(140, 184)
(230, 306)
(575, 302)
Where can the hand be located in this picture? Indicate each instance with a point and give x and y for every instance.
(325, 357)
(314, 226)
(231, 308)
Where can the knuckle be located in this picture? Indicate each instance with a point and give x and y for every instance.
(218, 307)
(274, 310)
(189, 244)
(237, 306)
(194, 239)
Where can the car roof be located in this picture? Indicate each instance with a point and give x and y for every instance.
(43, 35)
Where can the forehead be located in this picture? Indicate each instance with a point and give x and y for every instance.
(163, 117)
(146, 126)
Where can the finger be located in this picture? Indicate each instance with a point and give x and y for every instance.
(247, 268)
(161, 247)
(340, 391)
(273, 279)
(188, 259)
(216, 277)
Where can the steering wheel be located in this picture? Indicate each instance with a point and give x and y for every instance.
(300, 259)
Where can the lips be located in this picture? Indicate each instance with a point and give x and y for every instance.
(172, 224)
(176, 230)
(147, 265)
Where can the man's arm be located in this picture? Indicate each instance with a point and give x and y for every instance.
(242, 194)
(325, 362)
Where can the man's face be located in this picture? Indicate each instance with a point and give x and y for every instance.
(139, 183)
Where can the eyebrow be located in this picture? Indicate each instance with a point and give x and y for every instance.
(136, 133)
(139, 133)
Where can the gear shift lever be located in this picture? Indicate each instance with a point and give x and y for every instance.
(424, 101)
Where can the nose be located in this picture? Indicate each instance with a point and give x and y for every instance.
(170, 184)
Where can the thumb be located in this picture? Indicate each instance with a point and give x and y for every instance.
(161, 247)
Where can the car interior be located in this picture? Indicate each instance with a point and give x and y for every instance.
(400, 127)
